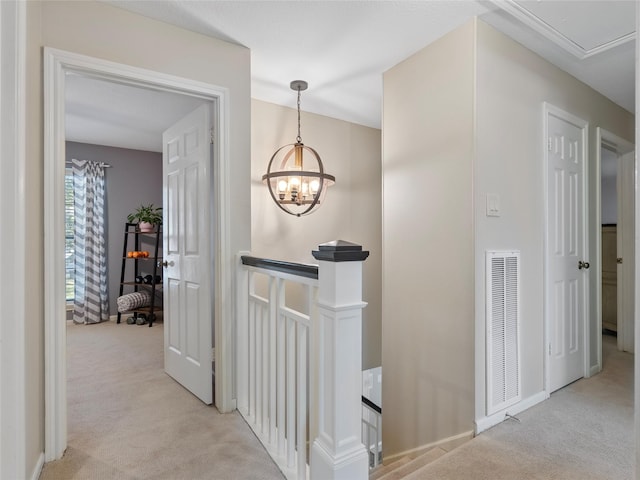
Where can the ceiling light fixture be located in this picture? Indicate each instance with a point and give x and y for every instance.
(296, 187)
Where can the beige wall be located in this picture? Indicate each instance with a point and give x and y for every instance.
(100, 30)
(427, 321)
(512, 84)
(352, 207)
(446, 148)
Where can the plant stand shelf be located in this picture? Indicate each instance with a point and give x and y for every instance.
(132, 268)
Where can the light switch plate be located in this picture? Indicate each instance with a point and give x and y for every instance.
(493, 205)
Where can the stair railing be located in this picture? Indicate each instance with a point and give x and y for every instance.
(372, 414)
(299, 340)
(372, 431)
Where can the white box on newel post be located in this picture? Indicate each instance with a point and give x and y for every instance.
(337, 452)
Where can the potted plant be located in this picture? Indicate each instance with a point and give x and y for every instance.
(147, 217)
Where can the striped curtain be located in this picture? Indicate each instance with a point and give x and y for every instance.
(91, 303)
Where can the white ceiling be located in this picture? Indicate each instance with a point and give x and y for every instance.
(342, 48)
(117, 115)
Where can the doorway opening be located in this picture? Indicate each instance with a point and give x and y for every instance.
(615, 240)
(58, 64)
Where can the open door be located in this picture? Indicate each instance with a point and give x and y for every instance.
(186, 159)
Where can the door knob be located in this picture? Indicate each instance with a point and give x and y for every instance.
(167, 264)
(582, 265)
(619, 260)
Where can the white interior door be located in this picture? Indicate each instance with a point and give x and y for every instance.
(187, 253)
(626, 254)
(567, 278)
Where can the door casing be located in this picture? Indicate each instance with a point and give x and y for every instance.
(56, 64)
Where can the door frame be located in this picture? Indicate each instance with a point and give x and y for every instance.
(15, 199)
(621, 147)
(549, 109)
(56, 64)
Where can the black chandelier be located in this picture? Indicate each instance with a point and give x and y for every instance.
(296, 187)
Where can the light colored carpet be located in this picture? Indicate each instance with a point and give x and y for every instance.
(128, 420)
(583, 432)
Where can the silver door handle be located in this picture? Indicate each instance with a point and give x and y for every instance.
(167, 264)
(582, 265)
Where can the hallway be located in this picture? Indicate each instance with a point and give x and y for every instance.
(583, 432)
(129, 420)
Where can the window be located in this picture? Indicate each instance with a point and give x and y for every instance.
(69, 238)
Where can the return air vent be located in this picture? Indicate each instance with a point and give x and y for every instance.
(503, 330)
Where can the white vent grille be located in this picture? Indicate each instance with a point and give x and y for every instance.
(503, 330)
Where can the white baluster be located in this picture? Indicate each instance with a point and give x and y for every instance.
(378, 434)
(258, 420)
(274, 287)
(264, 425)
(301, 421)
(291, 392)
(281, 381)
(252, 359)
(242, 352)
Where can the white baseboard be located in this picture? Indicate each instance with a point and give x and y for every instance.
(485, 423)
(113, 318)
(594, 370)
(423, 448)
(37, 470)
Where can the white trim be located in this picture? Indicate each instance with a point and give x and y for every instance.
(241, 331)
(549, 109)
(54, 298)
(224, 259)
(594, 369)
(486, 423)
(626, 180)
(37, 470)
(547, 31)
(13, 414)
(636, 315)
(423, 448)
(341, 308)
(57, 63)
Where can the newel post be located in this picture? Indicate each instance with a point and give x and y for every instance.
(337, 452)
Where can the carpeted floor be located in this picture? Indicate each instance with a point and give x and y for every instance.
(128, 420)
(583, 432)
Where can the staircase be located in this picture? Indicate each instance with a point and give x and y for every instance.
(411, 466)
(406, 466)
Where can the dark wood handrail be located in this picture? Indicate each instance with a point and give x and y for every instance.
(298, 269)
(371, 405)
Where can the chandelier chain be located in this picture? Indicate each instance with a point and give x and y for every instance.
(299, 138)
